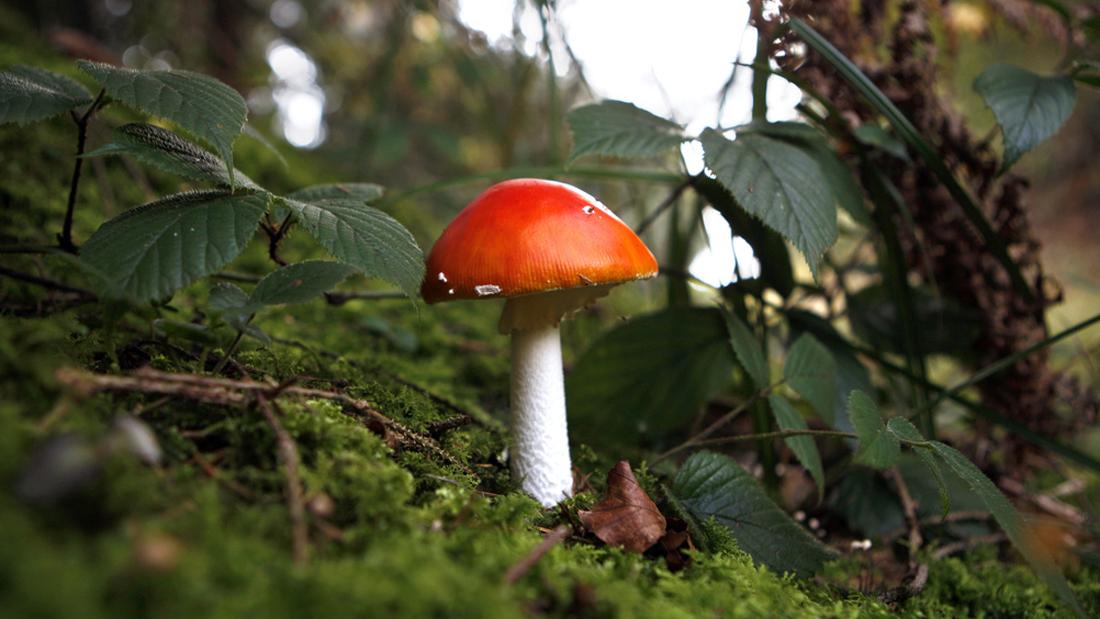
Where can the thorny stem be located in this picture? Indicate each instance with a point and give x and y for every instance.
(230, 351)
(65, 239)
(760, 71)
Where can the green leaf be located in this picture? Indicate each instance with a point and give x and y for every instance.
(845, 190)
(747, 350)
(866, 502)
(367, 192)
(780, 184)
(946, 327)
(851, 374)
(153, 250)
(711, 485)
(1029, 108)
(851, 73)
(29, 94)
(300, 282)
(226, 297)
(804, 447)
(649, 375)
(365, 238)
(767, 245)
(904, 430)
(878, 448)
(811, 371)
(876, 137)
(171, 153)
(1011, 522)
(620, 129)
(209, 109)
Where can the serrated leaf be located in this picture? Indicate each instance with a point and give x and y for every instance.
(198, 103)
(29, 94)
(851, 374)
(1011, 522)
(811, 371)
(906, 431)
(620, 129)
(877, 137)
(711, 485)
(201, 334)
(171, 153)
(747, 350)
(778, 183)
(649, 375)
(153, 250)
(845, 190)
(225, 297)
(1029, 108)
(367, 192)
(768, 246)
(299, 282)
(878, 448)
(365, 238)
(803, 447)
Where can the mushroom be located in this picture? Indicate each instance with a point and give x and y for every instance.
(550, 249)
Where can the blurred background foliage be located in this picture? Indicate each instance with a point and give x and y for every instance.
(415, 96)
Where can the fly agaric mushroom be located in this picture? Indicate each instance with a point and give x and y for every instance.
(550, 249)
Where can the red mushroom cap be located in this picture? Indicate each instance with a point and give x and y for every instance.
(526, 236)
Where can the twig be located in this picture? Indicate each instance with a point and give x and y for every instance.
(27, 249)
(443, 426)
(960, 516)
(229, 353)
(288, 454)
(909, 508)
(47, 283)
(970, 542)
(1048, 504)
(916, 581)
(65, 239)
(712, 428)
(340, 298)
(212, 472)
(669, 200)
(524, 565)
(231, 392)
(764, 436)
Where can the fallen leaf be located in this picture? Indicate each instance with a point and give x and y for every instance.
(626, 516)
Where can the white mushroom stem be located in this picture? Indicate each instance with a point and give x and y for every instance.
(540, 441)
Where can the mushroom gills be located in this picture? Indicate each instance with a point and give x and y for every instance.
(545, 309)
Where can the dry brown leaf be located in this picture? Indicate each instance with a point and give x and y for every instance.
(626, 516)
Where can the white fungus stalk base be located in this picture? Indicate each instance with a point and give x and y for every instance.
(540, 441)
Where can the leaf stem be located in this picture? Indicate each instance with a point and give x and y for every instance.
(1005, 362)
(760, 69)
(65, 239)
(230, 351)
(669, 200)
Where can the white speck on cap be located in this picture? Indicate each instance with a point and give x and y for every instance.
(485, 290)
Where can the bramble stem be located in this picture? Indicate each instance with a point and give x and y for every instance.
(65, 239)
